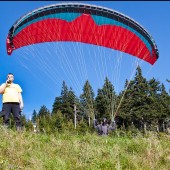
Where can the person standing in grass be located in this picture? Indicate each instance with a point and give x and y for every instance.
(12, 101)
(98, 126)
(104, 127)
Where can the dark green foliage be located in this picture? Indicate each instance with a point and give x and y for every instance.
(144, 102)
(65, 102)
(43, 119)
(142, 105)
(43, 111)
(34, 116)
(57, 104)
(106, 100)
(82, 127)
(58, 121)
(87, 101)
(23, 120)
(29, 126)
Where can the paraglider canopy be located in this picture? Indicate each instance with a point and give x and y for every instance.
(83, 23)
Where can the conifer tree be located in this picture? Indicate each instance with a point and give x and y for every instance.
(23, 120)
(106, 100)
(141, 102)
(87, 101)
(34, 116)
(72, 99)
(164, 107)
(135, 105)
(65, 102)
(64, 92)
(154, 90)
(43, 119)
(43, 111)
(57, 105)
(66, 108)
(124, 114)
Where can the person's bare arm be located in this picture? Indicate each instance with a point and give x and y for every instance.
(21, 101)
(2, 88)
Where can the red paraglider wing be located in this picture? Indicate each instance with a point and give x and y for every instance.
(85, 29)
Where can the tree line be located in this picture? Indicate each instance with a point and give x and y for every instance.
(142, 104)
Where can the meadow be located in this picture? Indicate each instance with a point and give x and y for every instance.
(28, 150)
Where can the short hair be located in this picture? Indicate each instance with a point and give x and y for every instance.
(10, 73)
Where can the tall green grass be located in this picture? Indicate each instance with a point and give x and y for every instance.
(26, 150)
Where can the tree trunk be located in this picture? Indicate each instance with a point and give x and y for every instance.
(89, 121)
(144, 127)
(75, 117)
(163, 127)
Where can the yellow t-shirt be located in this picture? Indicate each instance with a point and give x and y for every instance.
(11, 93)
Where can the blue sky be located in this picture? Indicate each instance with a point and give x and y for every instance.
(41, 69)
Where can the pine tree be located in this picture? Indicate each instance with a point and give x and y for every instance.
(34, 116)
(99, 104)
(159, 103)
(65, 102)
(43, 119)
(124, 114)
(87, 101)
(66, 108)
(164, 107)
(72, 99)
(64, 92)
(140, 102)
(43, 111)
(106, 100)
(135, 106)
(23, 120)
(57, 105)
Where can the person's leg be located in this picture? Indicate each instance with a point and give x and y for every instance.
(16, 114)
(2, 113)
(6, 109)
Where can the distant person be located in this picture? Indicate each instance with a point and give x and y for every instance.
(98, 126)
(12, 101)
(104, 127)
(112, 125)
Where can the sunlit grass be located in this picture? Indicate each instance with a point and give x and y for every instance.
(27, 150)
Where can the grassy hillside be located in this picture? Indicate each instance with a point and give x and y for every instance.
(27, 150)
